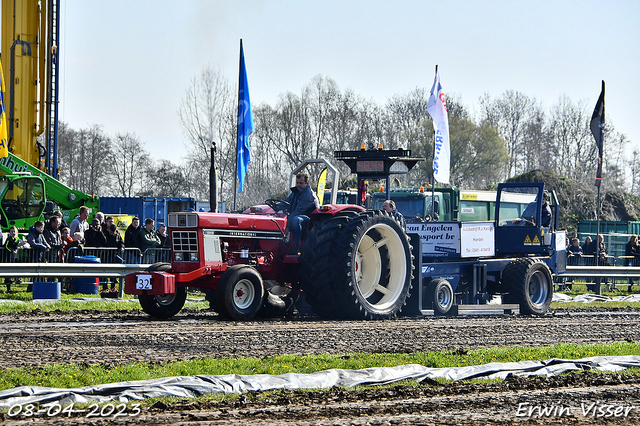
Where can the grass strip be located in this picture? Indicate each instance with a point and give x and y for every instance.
(74, 375)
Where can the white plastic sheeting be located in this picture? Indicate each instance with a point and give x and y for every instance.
(192, 386)
(586, 298)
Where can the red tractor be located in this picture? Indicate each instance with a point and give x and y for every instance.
(354, 263)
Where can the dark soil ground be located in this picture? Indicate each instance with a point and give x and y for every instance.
(39, 338)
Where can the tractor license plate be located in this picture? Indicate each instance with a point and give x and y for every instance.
(143, 282)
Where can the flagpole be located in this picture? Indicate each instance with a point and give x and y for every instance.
(433, 177)
(433, 173)
(598, 290)
(235, 174)
(597, 128)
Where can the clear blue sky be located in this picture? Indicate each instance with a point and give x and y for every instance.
(127, 64)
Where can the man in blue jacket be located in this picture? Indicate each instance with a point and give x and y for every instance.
(301, 203)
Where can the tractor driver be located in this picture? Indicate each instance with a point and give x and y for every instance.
(529, 214)
(302, 201)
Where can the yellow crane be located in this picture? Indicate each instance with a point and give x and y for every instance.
(28, 176)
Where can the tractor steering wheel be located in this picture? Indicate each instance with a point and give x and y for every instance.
(273, 202)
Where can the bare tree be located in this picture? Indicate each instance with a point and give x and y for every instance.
(511, 114)
(206, 117)
(81, 158)
(67, 153)
(165, 179)
(127, 163)
(615, 161)
(634, 165)
(571, 137)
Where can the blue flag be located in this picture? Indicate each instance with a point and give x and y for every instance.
(245, 122)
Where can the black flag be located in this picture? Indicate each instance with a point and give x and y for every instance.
(597, 128)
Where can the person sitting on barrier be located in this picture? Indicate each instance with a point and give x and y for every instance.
(390, 207)
(94, 237)
(300, 203)
(37, 242)
(10, 253)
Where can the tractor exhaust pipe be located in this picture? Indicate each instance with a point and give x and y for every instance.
(213, 187)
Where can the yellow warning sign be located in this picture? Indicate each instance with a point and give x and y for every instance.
(527, 240)
(536, 240)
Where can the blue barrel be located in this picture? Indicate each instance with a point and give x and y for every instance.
(86, 285)
(46, 290)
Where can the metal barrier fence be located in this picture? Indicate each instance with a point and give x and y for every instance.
(106, 263)
(105, 254)
(610, 271)
(590, 260)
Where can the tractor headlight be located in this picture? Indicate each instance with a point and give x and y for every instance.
(177, 256)
(194, 256)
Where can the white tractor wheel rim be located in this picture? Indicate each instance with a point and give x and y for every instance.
(243, 294)
(369, 266)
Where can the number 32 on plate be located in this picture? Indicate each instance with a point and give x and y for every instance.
(143, 282)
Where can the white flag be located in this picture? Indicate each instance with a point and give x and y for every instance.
(437, 108)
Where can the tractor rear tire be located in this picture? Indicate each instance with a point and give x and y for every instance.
(529, 284)
(439, 296)
(356, 265)
(240, 293)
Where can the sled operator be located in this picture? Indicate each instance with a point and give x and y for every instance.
(529, 214)
(299, 205)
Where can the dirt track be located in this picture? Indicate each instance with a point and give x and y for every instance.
(37, 339)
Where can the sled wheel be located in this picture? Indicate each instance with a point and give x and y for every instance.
(529, 284)
(440, 296)
(240, 293)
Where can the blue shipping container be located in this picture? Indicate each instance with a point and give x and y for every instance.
(157, 208)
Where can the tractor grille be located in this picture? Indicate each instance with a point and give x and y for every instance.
(183, 220)
(184, 241)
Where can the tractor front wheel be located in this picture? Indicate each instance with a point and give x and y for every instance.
(163, 306)
(240, 293)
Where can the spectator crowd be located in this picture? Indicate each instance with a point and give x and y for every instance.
(53, 240)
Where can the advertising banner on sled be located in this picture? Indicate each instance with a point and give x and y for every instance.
(439, 239)
(477, 239)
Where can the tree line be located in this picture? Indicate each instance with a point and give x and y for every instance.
(510, 134)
